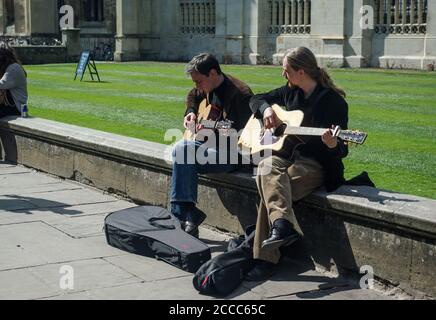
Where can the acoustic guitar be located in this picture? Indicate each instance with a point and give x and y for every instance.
(257, 141)
(199, 130)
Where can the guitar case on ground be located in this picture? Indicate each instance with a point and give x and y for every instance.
(155, 232)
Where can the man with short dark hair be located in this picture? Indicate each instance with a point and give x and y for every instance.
(229, 99)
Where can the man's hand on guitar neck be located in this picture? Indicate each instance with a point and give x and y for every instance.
(189, 121)
(329, 139)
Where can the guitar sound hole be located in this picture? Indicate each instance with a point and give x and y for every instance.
(280, 130)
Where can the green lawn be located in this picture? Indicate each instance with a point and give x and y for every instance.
(143, 100)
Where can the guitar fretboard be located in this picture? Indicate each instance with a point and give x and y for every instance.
(346, 135)
(304, 131)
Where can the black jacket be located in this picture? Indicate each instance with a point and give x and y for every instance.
(324, 108)
(233, 96)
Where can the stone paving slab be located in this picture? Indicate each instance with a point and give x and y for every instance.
(36, 243)
(19, 181)
(11, 169)
(341, 293)
(64, 198)
(32, 190)
(53, 199)
(302, 279)
(62, 214)
(81, 227)
(14, 202)
(46, 281)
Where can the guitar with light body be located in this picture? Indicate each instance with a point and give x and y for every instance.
(201, 128)
(255, 140)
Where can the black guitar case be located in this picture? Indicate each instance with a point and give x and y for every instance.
(154, 232)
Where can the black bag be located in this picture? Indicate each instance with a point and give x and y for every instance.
(362, 179)
(224, 273)
(154, 232)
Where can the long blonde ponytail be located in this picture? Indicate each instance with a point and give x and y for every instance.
(303, 58)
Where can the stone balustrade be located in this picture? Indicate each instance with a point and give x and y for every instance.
(401, 16)
(197, 16)
(289, 16)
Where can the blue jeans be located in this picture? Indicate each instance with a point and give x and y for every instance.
(186, 168)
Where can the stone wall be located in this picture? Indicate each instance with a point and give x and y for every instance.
(42, 54)
(260, 31)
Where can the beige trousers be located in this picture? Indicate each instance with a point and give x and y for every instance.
(280, 182)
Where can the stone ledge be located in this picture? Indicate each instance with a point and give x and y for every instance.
(349, 228)
(403, 211)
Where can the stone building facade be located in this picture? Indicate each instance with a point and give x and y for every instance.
(351, 33)
(37, 21)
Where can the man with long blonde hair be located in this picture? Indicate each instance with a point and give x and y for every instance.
(290, 176)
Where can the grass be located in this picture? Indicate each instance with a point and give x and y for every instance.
(143, 100)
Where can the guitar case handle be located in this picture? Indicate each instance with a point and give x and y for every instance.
(153, 222)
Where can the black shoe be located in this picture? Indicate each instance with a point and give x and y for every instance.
(195, 216)
(194, 219)
(191, 229)
(261, 271)
(282, 234)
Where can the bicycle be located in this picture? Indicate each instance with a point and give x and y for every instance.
(103, 52)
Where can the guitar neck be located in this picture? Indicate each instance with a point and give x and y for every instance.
(304, 131)
(208, 124)
(346, 135)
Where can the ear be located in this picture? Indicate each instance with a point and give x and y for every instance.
(213, 73)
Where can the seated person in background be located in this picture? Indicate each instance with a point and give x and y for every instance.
(229, 99)
(290, 177)
(13, 82)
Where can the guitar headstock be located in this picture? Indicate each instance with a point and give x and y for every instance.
(353, 136)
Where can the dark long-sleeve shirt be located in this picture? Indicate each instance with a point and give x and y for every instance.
(233, 96)
(324, 108)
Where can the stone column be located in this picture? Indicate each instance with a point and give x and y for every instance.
(22, 17)
(256, 24)
(358, 34)
(430, 39)
(134, 18)
(43, 18)
(328, 19)
(2, 18)
(229, 24)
